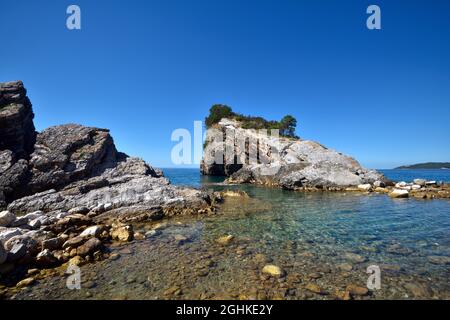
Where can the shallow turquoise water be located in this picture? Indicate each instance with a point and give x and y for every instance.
(310, 235)
(192, 177)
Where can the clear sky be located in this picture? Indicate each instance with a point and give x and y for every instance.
(145, 68)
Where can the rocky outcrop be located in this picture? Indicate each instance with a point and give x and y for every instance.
(17, 131)
(67, 191)
(283, 162)
(68, 166)
(17, 138)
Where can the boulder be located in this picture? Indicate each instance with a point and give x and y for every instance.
(420, 182)
(93, 231)
(7, 234)
(398, 193)
(53, 243)
(6, 218)
(21, 245)
(74, 242)
(379, 184)
(365, 187)
(123, 233)
(46, 258)
(17, 252)
(89, 247)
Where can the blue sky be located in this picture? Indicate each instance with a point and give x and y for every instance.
(145, 68)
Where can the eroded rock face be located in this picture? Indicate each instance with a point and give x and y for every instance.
(286, 163)
(71, 166)
(17, 138)
(17, 131)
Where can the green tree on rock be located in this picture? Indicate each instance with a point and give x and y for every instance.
(217, 112)
(287, 126)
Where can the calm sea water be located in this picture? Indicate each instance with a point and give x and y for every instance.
(192, 177)
(328, 239)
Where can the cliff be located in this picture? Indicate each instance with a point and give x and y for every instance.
(283, 162)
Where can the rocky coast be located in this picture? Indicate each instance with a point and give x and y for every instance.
(68, 197)
(299, 165)
(66, 192)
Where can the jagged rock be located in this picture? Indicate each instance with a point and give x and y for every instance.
(286, 163)
(17, 131)
(17, 252)
(46, 258)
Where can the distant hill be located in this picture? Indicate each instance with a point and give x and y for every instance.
(427, 165)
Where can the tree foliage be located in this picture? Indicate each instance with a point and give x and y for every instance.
(287, 125)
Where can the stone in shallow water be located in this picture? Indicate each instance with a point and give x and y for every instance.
(315, 289)
(418, 290)
(225, 240)
(345, 267)
(273, 270)
(356, 258)
(439, 260)
(25, 283)
(357, 290)
(124, 233)
(397, 193)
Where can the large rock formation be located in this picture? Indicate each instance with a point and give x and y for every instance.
(71, 165)
(284, 162)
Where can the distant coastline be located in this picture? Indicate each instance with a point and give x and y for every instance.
(427, 165)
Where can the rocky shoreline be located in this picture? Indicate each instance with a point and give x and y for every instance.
(66, 192)
(298, 165)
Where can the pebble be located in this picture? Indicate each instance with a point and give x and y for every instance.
(273, 270)
(357, 290)
(225, 240)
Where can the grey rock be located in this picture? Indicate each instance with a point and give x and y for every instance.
(17, 251)
(7, 234)
(73, 168)
(53, 243)
(46, 258)
(420, 182)
(289, 164)
(6, 218)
